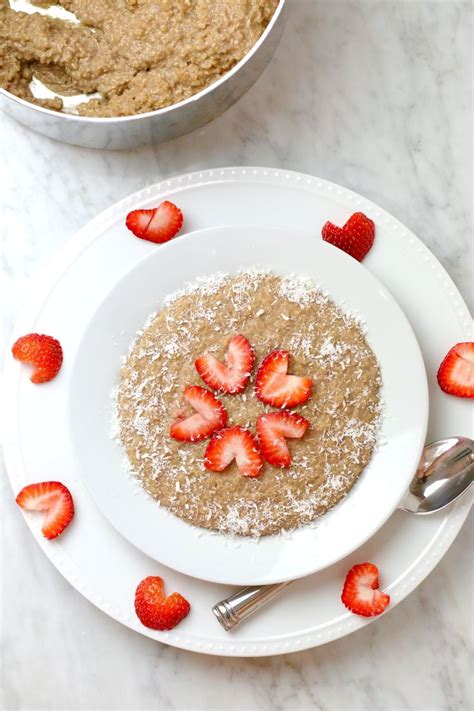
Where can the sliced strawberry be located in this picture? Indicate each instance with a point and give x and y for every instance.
(232, 376)
(210, 416)
(43, 352)
(456, 372)
(234, 443)
(274, 387)
(156, 611)
(52, 497)
(361, 592)
(272, 429)
(355, 238)
(157, 225)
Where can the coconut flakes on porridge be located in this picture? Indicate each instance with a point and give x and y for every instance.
(326, 344)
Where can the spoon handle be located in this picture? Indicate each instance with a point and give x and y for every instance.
(236, 608)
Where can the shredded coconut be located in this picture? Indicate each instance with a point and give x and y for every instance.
(326, 343)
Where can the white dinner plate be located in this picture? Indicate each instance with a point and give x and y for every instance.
(92, 555)
(113, 326)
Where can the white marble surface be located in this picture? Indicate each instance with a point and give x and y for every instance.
(373, 95)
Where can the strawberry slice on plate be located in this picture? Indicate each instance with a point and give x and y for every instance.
(156, 611)
(232, 376)
(272, 430)
(52, 497)
(275, 387)
(159, 224)
(355, 238)
(456, 372)
(43, 352)
(234, 443)
(210, 415)
(361, 593)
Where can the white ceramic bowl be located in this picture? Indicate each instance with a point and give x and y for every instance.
(176, 543)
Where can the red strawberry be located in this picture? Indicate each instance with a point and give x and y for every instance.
(356, 237)
(361, 592)
(274, 387)
(50, 496)
(230, 377)
(210, 416)
(272, 429)
(456, 372)
(44, 352)
(157, 225)
(233, 443)
(156, 611)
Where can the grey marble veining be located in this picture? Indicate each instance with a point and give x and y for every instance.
(375, 96)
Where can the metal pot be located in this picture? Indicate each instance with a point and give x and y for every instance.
(155, 126)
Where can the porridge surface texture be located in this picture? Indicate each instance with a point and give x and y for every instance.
(140, 55)
(326, 344)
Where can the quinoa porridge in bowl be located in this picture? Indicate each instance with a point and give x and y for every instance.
(258, 428)
(272, 313)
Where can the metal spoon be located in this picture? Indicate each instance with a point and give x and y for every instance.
(445, 471)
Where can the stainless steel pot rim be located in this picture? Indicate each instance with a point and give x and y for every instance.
(158, 112)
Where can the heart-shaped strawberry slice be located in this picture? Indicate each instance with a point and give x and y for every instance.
(361, 593)
(275, 387)
(210, 415)
(232, 376)
(156, 611)
(234, 443)
(52, 497)
(355, 238)
(160, 224)
(273, 428)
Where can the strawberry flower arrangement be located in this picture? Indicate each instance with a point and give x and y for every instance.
(273, 386)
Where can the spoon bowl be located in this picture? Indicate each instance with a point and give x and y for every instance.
(445, 471)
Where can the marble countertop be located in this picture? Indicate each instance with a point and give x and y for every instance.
(372, 95)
